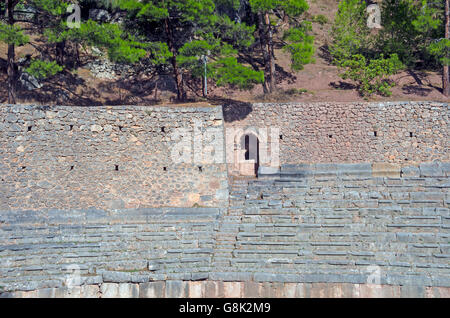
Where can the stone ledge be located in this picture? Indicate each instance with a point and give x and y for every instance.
(219, 289)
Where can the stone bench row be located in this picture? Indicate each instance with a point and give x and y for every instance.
(300, 171)
(147, 215)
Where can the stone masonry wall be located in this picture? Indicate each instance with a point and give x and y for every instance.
(397, 132)
(105, 157)
(99, 189)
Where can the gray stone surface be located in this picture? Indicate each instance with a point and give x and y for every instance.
(308, 224)
(108, 158)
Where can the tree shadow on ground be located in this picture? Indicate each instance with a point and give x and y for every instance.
(138, 90)
(342, 85)
(233, 110)
(416, 90)
(282, 75)
(62, 89)
(324, 53)
(424, 87)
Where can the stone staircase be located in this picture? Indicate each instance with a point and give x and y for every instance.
(40, 249)
(229, 225)
(292, 226)
(341, 227)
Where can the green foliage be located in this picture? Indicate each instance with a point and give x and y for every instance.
(239, 35)
(295, 91)
(43, 69)
(53, 7)
(12, 34)
(297, 42)
(409, 30)
(425, 17)
(371, 75)
(320, 18)
(292, 8)
(430, 20)
(108, 36)
(192, 11)
(199, 31)
(229, 72)
(399, 34)
(440, 49)
(409, 27)
(223, 67)
(158, 52)
(350, 31)
(234, 4)
(300, 45)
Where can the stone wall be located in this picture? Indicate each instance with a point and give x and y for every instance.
(396, 132)
(105, 157)
(98, 190)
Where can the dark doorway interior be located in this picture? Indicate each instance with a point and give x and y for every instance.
(251, 146)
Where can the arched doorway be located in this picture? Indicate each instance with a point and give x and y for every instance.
(249, 145)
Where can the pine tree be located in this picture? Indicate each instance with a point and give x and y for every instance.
(350, 34)
(13, 36)
(271, 17)
(49, 21)
(189, 29)
(433, 19)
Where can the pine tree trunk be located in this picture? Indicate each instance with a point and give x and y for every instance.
(60, 47)
(263, 44)
(446, 73)
(271, 54)
(181, 94)
(11, 67)
(204, 87)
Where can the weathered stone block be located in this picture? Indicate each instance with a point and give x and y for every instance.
(232, 289)
(176, 289)
(152, 290)
(90, 291)
(109, 290)
(410, 291)
(128, 291)
(432, 169)
(196, 289)
(410, 171)
(390, 170)
(116, 277)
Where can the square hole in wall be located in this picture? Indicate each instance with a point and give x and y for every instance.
(163, 129)
(200, 168)
(330, 136)
(375, 133)
(116, 167)
(164, 168)
(70, 127)
(281, 137)
(29, 128)
(411, 134)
